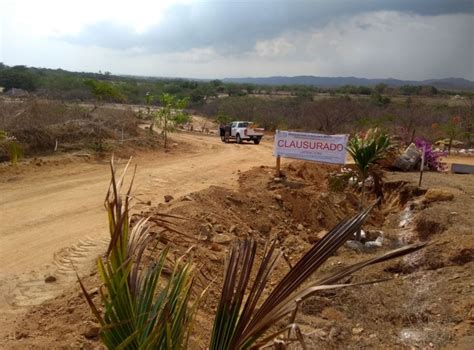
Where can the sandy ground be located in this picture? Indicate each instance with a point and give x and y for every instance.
(53, 218)
(427, 301)
(458, 159)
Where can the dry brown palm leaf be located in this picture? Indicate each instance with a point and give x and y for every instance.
(240, 325)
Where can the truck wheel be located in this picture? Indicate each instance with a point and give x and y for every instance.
(238, 139)
(256, 141)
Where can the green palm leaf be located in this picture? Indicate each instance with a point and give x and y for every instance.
(142, 310)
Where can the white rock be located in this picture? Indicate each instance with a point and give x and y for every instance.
(377, 243)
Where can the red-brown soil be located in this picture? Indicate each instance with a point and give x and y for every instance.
(427, 303)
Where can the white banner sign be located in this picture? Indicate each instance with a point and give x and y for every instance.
(315, 147)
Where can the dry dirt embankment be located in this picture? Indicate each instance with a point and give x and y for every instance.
(427, 303)
(52, 215)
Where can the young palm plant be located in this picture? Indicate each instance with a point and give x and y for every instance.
(142, 310)
(244, 318)
(366, 150)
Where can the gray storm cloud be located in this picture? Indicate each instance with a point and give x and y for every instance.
(233, 27)
(406, 39)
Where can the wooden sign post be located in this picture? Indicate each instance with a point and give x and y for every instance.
(278, 171)
(422, 167)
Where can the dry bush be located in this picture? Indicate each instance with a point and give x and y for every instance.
(343, 114)
(38, 124)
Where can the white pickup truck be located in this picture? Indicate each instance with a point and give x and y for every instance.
(240, 131)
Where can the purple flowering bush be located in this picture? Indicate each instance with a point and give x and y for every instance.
(432, 157)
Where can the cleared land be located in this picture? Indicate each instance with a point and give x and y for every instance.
(53, 221)
(53, 215)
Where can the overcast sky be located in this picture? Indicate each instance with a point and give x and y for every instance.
(405, 39)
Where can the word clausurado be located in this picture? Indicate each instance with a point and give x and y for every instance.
(312, 147)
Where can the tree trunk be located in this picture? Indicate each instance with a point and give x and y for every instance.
(165, 132)
(361, 207)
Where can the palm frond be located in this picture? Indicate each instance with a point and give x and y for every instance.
(240, 325)
(232, 314)
(141, 308)
(368, 149)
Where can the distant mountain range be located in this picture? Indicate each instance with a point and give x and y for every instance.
(333, 82)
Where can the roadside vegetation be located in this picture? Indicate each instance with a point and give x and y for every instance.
(141, 307)
(170, 115)
(273, 244)
(36, 127)
(367, 149)
(65, 85)
(58, 99)
(9, 147)
(405, 117)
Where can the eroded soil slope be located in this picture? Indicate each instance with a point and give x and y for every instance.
(428, 301)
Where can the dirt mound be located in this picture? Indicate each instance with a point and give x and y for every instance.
(298, 204)
(262, 208)
(427, 303)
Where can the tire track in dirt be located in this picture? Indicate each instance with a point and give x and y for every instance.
(77, 257)
(31, 288)
(54, 218)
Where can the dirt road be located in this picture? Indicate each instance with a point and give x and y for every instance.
(53, 217)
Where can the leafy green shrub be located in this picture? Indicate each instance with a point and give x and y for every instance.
(171, 114)
(104, 91)
(223, 118)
